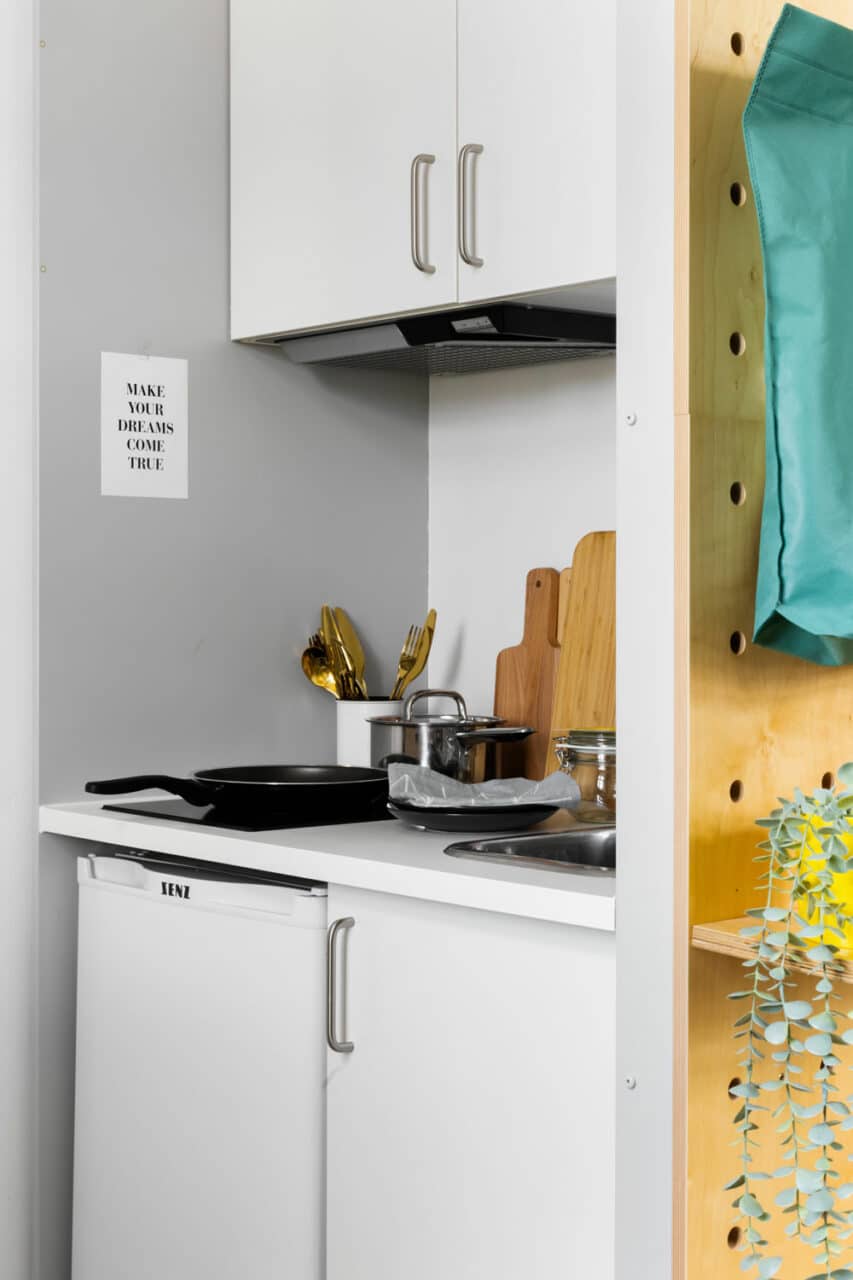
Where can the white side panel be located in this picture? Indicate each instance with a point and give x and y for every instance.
(537, 92)
(645, 625)
(470, 1132)
(199, 1107)
(330, 103)
(18, 356)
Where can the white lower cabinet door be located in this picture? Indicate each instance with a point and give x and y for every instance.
(470, 1129)
(537, 94)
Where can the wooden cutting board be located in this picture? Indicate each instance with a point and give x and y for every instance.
(585, 696)
(526, 676)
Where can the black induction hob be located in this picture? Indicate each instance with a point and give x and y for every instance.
(178, 810)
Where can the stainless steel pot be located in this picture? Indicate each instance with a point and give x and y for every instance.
(461, 746)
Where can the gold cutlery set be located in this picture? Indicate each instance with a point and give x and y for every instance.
(334, 659)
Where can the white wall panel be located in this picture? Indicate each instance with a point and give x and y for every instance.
(645, 642)
(522, 465)
(18, 275)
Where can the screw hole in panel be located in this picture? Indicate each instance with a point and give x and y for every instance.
(737, 343)
(736, 791)
(737, 493)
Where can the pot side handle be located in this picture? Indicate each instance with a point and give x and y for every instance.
(510, 733)
(189, 790)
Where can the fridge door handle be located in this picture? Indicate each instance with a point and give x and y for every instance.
(335, 929)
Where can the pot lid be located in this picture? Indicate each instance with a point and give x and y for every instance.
(462, 720)
(454, 722)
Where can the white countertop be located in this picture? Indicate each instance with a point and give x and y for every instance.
(385, 856)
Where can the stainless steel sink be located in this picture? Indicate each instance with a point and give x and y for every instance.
(588, 848)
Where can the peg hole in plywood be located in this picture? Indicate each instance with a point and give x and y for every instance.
(737, 194)
(736, 791)
(733, 1238)
(737, 493)
(736, 43)
(737, 643)
(737, 343)
(828, 780)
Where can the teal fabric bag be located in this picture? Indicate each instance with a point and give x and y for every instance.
(798, 126)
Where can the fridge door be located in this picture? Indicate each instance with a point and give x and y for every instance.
(199, 1129)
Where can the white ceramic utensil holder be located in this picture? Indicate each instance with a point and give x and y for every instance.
(354, 727)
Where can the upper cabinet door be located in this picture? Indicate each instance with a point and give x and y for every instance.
(331, 102)
(536, 93)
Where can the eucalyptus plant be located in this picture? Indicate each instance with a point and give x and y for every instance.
(789, 1070)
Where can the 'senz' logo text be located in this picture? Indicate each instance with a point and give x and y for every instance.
(172, 890)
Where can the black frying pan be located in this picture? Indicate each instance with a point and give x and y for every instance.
(297, 790)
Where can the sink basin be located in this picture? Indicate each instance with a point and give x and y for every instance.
(591, 848)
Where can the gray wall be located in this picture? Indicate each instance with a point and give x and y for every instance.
(171, 631)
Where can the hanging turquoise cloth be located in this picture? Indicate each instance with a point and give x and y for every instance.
(798, 126)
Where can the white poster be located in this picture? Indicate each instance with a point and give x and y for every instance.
(144, 426)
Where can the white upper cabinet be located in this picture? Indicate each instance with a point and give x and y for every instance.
(330, 104)
(392, 156)
(537, 94)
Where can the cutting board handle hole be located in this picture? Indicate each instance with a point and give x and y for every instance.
(737, 493)
(828, 780)
(733, 1238)
(733, 1084)
(736, 791)
(737, 194)
(538, 582)
(737, 43)
(737, 343)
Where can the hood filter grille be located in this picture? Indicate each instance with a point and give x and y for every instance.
(466, 357)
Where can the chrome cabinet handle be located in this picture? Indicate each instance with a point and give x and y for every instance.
(336, 1045)
(418, 203)
(464, 214)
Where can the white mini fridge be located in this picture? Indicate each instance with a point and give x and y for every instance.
(199, 1123)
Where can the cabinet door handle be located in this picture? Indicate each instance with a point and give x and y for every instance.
(418, 211)
(336, 1045)
(465, 205)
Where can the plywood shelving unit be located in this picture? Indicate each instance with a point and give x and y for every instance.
(756, 723)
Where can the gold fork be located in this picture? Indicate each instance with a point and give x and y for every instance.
(408, 656)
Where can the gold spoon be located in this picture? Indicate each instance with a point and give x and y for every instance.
(315, 664)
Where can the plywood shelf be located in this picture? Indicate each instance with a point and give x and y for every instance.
(723, 936)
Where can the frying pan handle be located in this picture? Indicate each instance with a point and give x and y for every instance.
(187, 788)
(469, 737)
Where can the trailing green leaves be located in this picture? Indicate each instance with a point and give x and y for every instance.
(788, 1045)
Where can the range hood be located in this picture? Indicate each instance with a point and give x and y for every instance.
(497, 335)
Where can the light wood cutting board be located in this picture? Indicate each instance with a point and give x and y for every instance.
(586, 681)
(526, 677)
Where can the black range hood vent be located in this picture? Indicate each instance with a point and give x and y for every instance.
(501, 335)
